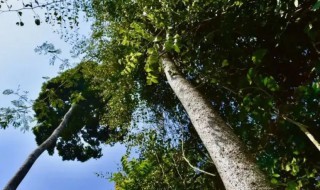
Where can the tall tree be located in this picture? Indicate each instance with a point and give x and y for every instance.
(87, 128)
(81, 129)
(229, 160)
(236, 168)
(230, 51)
(26, 166)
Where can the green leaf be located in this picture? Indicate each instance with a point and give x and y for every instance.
(258, 56)
(128, 70)
(176, 48)
(225, 63)
(132, 65)
(316, 87)
(154, 80)
(316, 6)
(152, 59)
(148, 69)
(76, 98)
(295, 170)
(214, 81)
(151, 51)
(287, 168)
(276, 175)
(177, 36)
(151, 79)
(138, 54)
(7, 92)
(250, 75)
(238, 3)
(270, 83)
(157, 39)
(168, 45)
(292, 186)
(274, 181)
(125, 41)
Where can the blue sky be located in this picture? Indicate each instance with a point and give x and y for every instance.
(20, 65)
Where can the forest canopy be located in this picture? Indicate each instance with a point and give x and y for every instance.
(256, 63)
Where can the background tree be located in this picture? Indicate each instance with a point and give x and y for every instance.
(77, 133)
(31, 159)
(86, 131)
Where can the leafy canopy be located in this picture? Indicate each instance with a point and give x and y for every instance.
(256, 61)
(85, 132)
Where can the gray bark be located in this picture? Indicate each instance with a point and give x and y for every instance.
(236, 168)
(24, 169)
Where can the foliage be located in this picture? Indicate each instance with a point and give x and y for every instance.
(17, 115)
(63, 13)
(85, 132)
(255, 61)
(161, 164)
(48, 48)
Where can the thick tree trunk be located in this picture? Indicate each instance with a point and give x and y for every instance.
(24, 169)
(236, 168)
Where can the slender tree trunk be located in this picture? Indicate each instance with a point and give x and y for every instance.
(24, 169)
(236, 168)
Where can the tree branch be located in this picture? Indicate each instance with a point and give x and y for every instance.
(305, 130)
(193, 167)
(28, 8)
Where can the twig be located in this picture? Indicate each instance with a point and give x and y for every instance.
(193, 167)
(27, 8)
(163, 173)
(315, 48)
(175, 165)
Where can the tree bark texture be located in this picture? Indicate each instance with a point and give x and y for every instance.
(24, 169)
(236, 168)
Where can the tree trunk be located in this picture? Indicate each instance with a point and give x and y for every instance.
(24, 169)
(236, 168)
